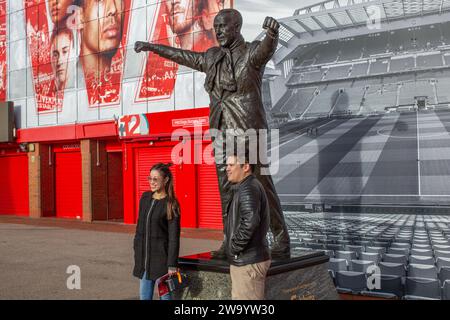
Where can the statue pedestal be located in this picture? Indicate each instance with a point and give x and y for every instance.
(302, 277)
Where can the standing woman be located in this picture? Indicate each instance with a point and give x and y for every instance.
(157, 239)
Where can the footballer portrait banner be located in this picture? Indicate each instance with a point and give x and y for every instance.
(82, 45)
(3, 46)
(186, 24)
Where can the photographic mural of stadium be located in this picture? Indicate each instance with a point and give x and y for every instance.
(358, 89)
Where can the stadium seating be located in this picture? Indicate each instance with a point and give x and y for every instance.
(299, 101)
(420, 288)
(408, 250)
(359, 69)
(350, 281)
(390, 287)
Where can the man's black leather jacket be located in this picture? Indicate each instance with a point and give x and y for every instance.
(247, 224)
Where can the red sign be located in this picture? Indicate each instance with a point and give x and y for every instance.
(190, 122)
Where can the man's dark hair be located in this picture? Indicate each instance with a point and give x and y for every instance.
(236, 15)
(243, 158)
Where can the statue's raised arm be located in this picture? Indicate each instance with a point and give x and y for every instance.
(191, 59)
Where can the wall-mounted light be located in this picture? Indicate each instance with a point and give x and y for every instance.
(31, 147)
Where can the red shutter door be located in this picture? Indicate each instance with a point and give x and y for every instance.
(69, 202)
(145, 159)
(209, 205)
(14, 185)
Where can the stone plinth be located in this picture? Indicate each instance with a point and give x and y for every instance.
(302, 277)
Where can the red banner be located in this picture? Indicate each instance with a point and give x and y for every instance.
(48, 98)
(103, 35)
(3, 46)
(186, 24)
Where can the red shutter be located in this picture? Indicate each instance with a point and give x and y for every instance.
(14, 185)
(209, 205)
(145, 159)
(69, 203)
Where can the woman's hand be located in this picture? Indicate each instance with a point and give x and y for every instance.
(172, 270)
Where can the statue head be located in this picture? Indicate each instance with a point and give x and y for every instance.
(227, 25)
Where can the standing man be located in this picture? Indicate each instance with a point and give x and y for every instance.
(234, 73)
(246, 229)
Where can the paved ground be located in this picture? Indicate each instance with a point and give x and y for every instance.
(35, 254)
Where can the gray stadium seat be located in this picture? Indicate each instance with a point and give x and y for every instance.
(362, 242)
(370, 256)
(357, 249)
(316, 246)
(337, 265)
(421, 260)
(379, 250)
(441, 242)
(350, 282)
(444, 274)
(329, 253)
(446, 290)
(419, 288)
(404, 251)
(348, 255)
(441, 254)
(395, 258)
(390, 287)
(383, 244)
(335, 247)
(422, 246)
(442, 262)
(400, 245)
(421, 241)
(360, 265)
(441, 247)
(422, 271)
(393, 269)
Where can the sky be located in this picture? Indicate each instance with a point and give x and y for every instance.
(254, 12)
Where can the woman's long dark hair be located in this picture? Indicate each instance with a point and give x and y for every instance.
(173, 206)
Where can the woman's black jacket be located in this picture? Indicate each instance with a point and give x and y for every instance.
(157, 240)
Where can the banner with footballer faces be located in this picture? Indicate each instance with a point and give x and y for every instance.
(83, 45)
(3, 45)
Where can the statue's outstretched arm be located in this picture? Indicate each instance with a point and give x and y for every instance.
(266, 48)
(191, 59)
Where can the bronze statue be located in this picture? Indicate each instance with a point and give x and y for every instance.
(234, 72)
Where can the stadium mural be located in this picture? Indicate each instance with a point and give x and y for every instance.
(358, 89)
(73, 60)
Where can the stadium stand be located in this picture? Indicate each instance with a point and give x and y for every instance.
(380, 97)
(349, 101)
(359, 69)
(429, 60)
(339, 72)
(323, 102)
(406, 62)
(402, 64)
(420, 272)
(375, 44)
(409, 90)
(299, 101)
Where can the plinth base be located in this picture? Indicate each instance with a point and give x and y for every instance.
(302, 277)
